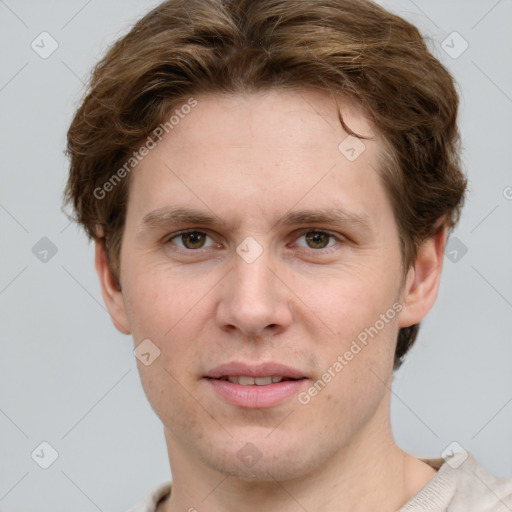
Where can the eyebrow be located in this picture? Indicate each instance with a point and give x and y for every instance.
(167, 216)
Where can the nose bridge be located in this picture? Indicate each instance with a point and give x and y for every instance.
(253, 280)
(254, 298)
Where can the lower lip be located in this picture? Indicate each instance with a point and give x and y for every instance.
(256, 397)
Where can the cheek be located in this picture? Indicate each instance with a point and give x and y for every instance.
(348, 302)
(359, 350)
(355, 378)
(170, 397)
(171, 311)
(156, 301)
(162, 314)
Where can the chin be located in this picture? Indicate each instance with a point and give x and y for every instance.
(263, 461)
(264, 471)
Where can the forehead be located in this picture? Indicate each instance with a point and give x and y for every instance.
(279, 120)
(263, 152)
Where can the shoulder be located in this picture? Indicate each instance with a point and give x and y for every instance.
(150, 502)
(461, 484)
(476, 488)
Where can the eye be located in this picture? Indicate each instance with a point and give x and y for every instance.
(190, 240)
(194, 240)
(317, 240)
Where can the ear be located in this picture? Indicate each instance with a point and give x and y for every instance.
(422, 281)
(112, 295)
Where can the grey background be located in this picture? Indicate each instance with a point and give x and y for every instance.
(69, 378)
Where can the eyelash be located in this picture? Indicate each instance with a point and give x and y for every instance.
(301, 233)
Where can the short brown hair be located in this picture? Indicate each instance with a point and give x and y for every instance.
(352, 47)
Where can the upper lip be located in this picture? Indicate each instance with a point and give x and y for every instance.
(268, 369)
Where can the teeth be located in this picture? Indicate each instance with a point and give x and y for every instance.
(251, 381)
(263, 381)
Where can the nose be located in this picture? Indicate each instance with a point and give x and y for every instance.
(255, 302)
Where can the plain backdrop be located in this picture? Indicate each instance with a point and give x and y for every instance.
(68, 378)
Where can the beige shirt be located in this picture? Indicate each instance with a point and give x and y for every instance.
(460, 485)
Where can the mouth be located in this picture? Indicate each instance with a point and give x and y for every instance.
(255, 386)
(250, 374)
(245, 380)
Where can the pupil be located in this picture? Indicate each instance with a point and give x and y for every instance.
(195, 240)
(319, 240)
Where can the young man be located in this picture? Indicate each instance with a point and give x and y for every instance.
(270, 186)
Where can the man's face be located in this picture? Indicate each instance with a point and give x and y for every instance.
(260, 293)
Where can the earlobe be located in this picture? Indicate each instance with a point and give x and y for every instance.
(422, 282)
(112, 295)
